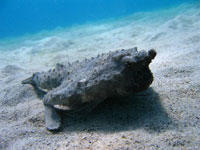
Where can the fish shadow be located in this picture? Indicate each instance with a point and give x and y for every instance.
(142, 111)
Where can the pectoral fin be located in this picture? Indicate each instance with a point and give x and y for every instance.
(52, 118)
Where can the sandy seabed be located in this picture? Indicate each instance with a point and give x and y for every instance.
(166, 116)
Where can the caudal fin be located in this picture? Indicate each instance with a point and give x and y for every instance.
(28, 80)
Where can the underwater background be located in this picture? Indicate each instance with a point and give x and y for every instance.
(37, 34)
(21, 17)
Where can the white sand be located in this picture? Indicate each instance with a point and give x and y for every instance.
(167, 116)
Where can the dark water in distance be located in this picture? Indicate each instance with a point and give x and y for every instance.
(19, 17)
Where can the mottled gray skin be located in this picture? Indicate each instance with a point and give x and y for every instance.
(87, 83)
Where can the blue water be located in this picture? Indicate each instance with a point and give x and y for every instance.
(19, 17)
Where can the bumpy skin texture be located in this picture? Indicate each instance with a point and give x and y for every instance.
(118, 73)
(87, 83)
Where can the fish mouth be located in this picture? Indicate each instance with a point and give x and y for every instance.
(62, 107)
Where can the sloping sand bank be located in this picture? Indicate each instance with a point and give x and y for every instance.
(166, 116)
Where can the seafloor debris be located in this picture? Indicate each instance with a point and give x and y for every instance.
(80, 86)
